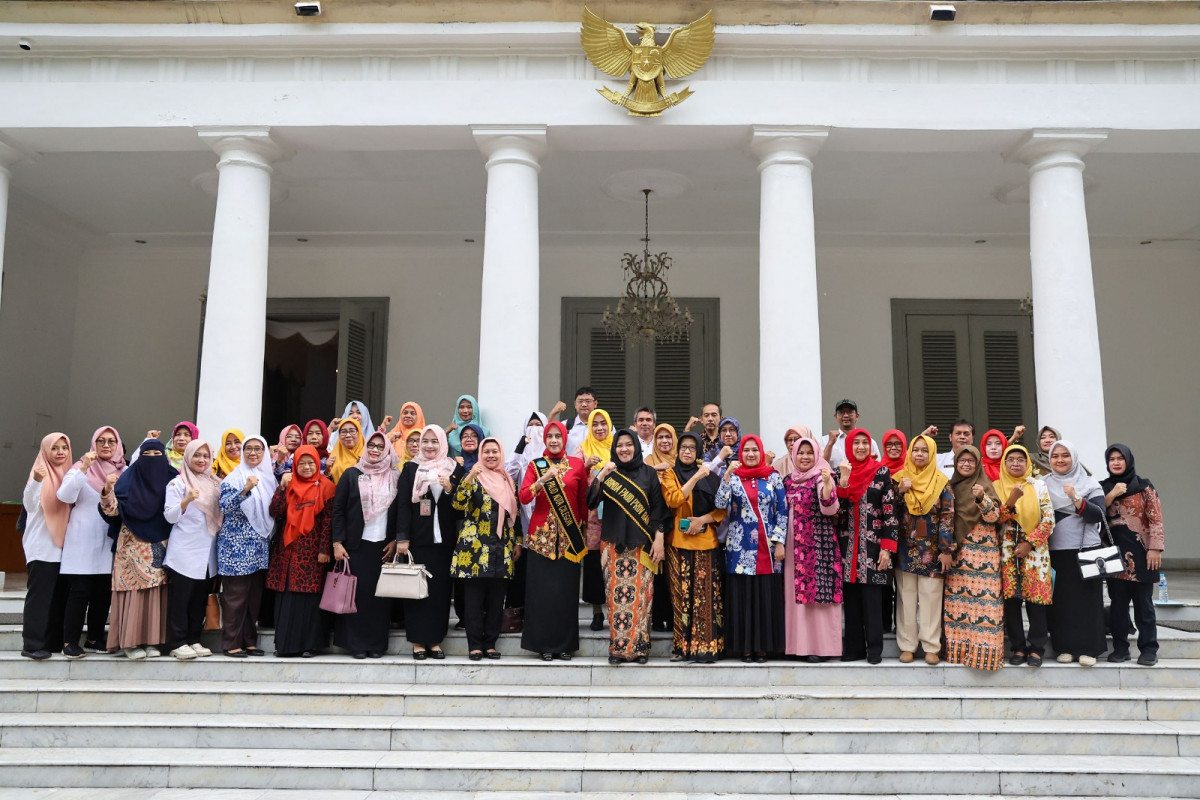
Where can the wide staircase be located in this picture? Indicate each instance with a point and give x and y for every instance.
(459, 728)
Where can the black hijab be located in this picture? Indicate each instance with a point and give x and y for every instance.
(141, 493)
(704, 493)
(1134, 483)
(633, 465)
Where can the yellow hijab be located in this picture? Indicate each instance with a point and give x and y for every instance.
(1029, 512)
(598, 447)
(403, 443)
(927, 483)
(222, 462)
(343, 458)
(655, 458)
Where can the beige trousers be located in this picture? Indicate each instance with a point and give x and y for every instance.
(918, 612)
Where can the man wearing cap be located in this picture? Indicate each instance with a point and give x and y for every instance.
(846, 413)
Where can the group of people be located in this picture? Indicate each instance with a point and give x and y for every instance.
(706, 533)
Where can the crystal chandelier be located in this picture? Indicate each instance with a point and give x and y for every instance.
(647, 311)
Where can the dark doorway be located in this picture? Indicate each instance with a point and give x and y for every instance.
(300, 372)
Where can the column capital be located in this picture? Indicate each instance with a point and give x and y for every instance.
(244, 146)
(775, 144)
(511, 144)
(1049, 147)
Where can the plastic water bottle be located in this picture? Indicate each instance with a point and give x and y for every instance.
(1163, 596)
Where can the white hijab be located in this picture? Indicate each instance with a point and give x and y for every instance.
(1085, 485)
(256, 506)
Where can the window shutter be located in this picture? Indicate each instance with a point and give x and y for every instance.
(356, 359)
(1004, 387)
(939, 392)
(354, 353)
(607, 377)
(673, 382)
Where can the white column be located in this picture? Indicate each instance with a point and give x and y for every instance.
(789, 366)
(235, 322)
(509, 305)
(1066, 345)
(9, 155)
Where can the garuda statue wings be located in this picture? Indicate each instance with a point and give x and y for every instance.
(647, 63)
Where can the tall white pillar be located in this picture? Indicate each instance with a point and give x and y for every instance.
(509, 311)
(1066, 344)
(9, 155)
(235, 321)
(789, 364)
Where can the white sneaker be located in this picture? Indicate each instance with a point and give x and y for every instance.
(1087, 661)
(1067, 658)
(200, 650)
(153, 652)
(184, 653)
(134, 653)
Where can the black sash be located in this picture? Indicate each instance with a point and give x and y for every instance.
(561, 508)
(630, 497)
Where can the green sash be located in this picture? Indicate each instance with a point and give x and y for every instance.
(633, 501)
(563, 515)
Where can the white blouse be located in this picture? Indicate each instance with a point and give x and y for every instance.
(36, 540)
(87, 550)
(191, 550)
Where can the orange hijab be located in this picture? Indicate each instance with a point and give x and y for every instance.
(305, 498)
(399, 434)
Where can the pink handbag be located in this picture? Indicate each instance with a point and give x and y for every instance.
(338, 595)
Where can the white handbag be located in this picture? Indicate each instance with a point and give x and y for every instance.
(1098, 562)
(408, 581)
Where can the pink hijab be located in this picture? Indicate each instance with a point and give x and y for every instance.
(432, 470)
(206, 483)
(100, 469)
(797, 475)
(55, 511)
(377, 483)
(498, 484)
(783, 464)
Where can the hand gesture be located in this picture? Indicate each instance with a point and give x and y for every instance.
(930, 431)
(445, 482)
(692, 421)
(192, 496)
(558, 408)
(39, 474)
(394, 437)
(333, 424)
(834, 434)
(1016, 494)
(1069, 490)
(905, 485)
(844, 472)
(592, 461)
(452, 427)
(109, 483)
(733, 467)
(153, 434)
(285, 480)
(770, 456)
(662, 467)
(826, 476)
(387, 421)
(89, 458)
(1023, 549)
(1119, 489)
(703, 471)
(609, 468)
(977, 491)
(251, 482)
(551, 473)
(278, 453)
(460, 461)
(1018, 432)
(725, 453)
(475, 470)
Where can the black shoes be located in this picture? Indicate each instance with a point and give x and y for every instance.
(475, 655)
(547, 656)
(374, 654)
(1148, 659)
(874, 659)
(236, 653)
(563, 656)
(73, 651)
(493, 655)
(94, 647)
(36, 655)
(360, 656)
(1017, 659)
(1116, 658)
(437, 655)
(597, 622)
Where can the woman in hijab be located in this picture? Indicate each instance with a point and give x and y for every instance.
(973, 615)
(1026, 519)
(530, 445)
(181, 435)
(300, 556)
(316, 436)
(693, 555)
(229, 452)
(991, 450)
(594, 452)
(412, 446)
(1135, 519)
(868, 528)
(635, 517)
(469, 439)
(193, 507)
(753, 495)
(466, 411)
(357, 411)
(783, 464)
(138, 621)
(360, 518)
(290, 438)
(1077, 629)
(729, 434)
(489, 543)
(895, 450)
(424, 523)
(555, 543)
(663, 453)
(243, 547)
(86, 568)
(812, 565)
(1047, 436)
(45, 530)
(347, 449)
(412, 420)
(925, 549)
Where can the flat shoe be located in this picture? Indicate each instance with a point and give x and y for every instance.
(1117, 658)
(360, 656)
(932, 659)
(547, 656)
(760, 659)
(236, 653)
(747, 659)
(1033, 660)
(1017, 659)
(419, 655)
(614, 660)
(308, 654)
(254, 651)
(437, 654)
(36, 655)
(374, 654)
(1148, 660)
(642, 659)
(597, 622)
(1064, 658)
(564, 656)
(813, 659)
(494, 655)
(475, 655)
(1087, 661)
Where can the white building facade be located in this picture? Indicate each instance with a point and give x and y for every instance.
(823, 175)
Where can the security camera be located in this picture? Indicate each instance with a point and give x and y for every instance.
(308, 8)
(24, 44)
(941, 13)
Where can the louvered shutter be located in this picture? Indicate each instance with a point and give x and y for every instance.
(608, 373)
(354, 354)
(1003, 390)
(673, 382)
(939, 386)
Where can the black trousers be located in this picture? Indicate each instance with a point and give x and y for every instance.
(186, 602)
(1039, 630)
(483, 603)
(45, 607)
(88, 596)
(1120, 594)
(514, 595)
(862, 607)
(662, 611)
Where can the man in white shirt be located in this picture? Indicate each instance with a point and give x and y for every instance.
(643, 423)
(585, 404)
(962, 434)
(834, 443)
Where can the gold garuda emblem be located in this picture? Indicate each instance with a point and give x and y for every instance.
(647, 63)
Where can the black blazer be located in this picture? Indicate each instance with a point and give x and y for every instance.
(348, 522)
(405, 522)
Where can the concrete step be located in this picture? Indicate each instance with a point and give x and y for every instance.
(530, 670)
(907, 773)
(601, 735)
(93, 793)
(638, 698)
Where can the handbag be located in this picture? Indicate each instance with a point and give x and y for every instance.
(1098, 562)
(212, 613)
(407, 581)
(512, 620)
(337, 596)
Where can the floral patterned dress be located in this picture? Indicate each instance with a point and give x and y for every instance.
(865, 528)
(918, 554)
(482, 551)
(973, 615)
(1027, 578)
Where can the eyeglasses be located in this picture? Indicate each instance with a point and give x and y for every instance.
(253, 450)
(103, 442)
(379, 446)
